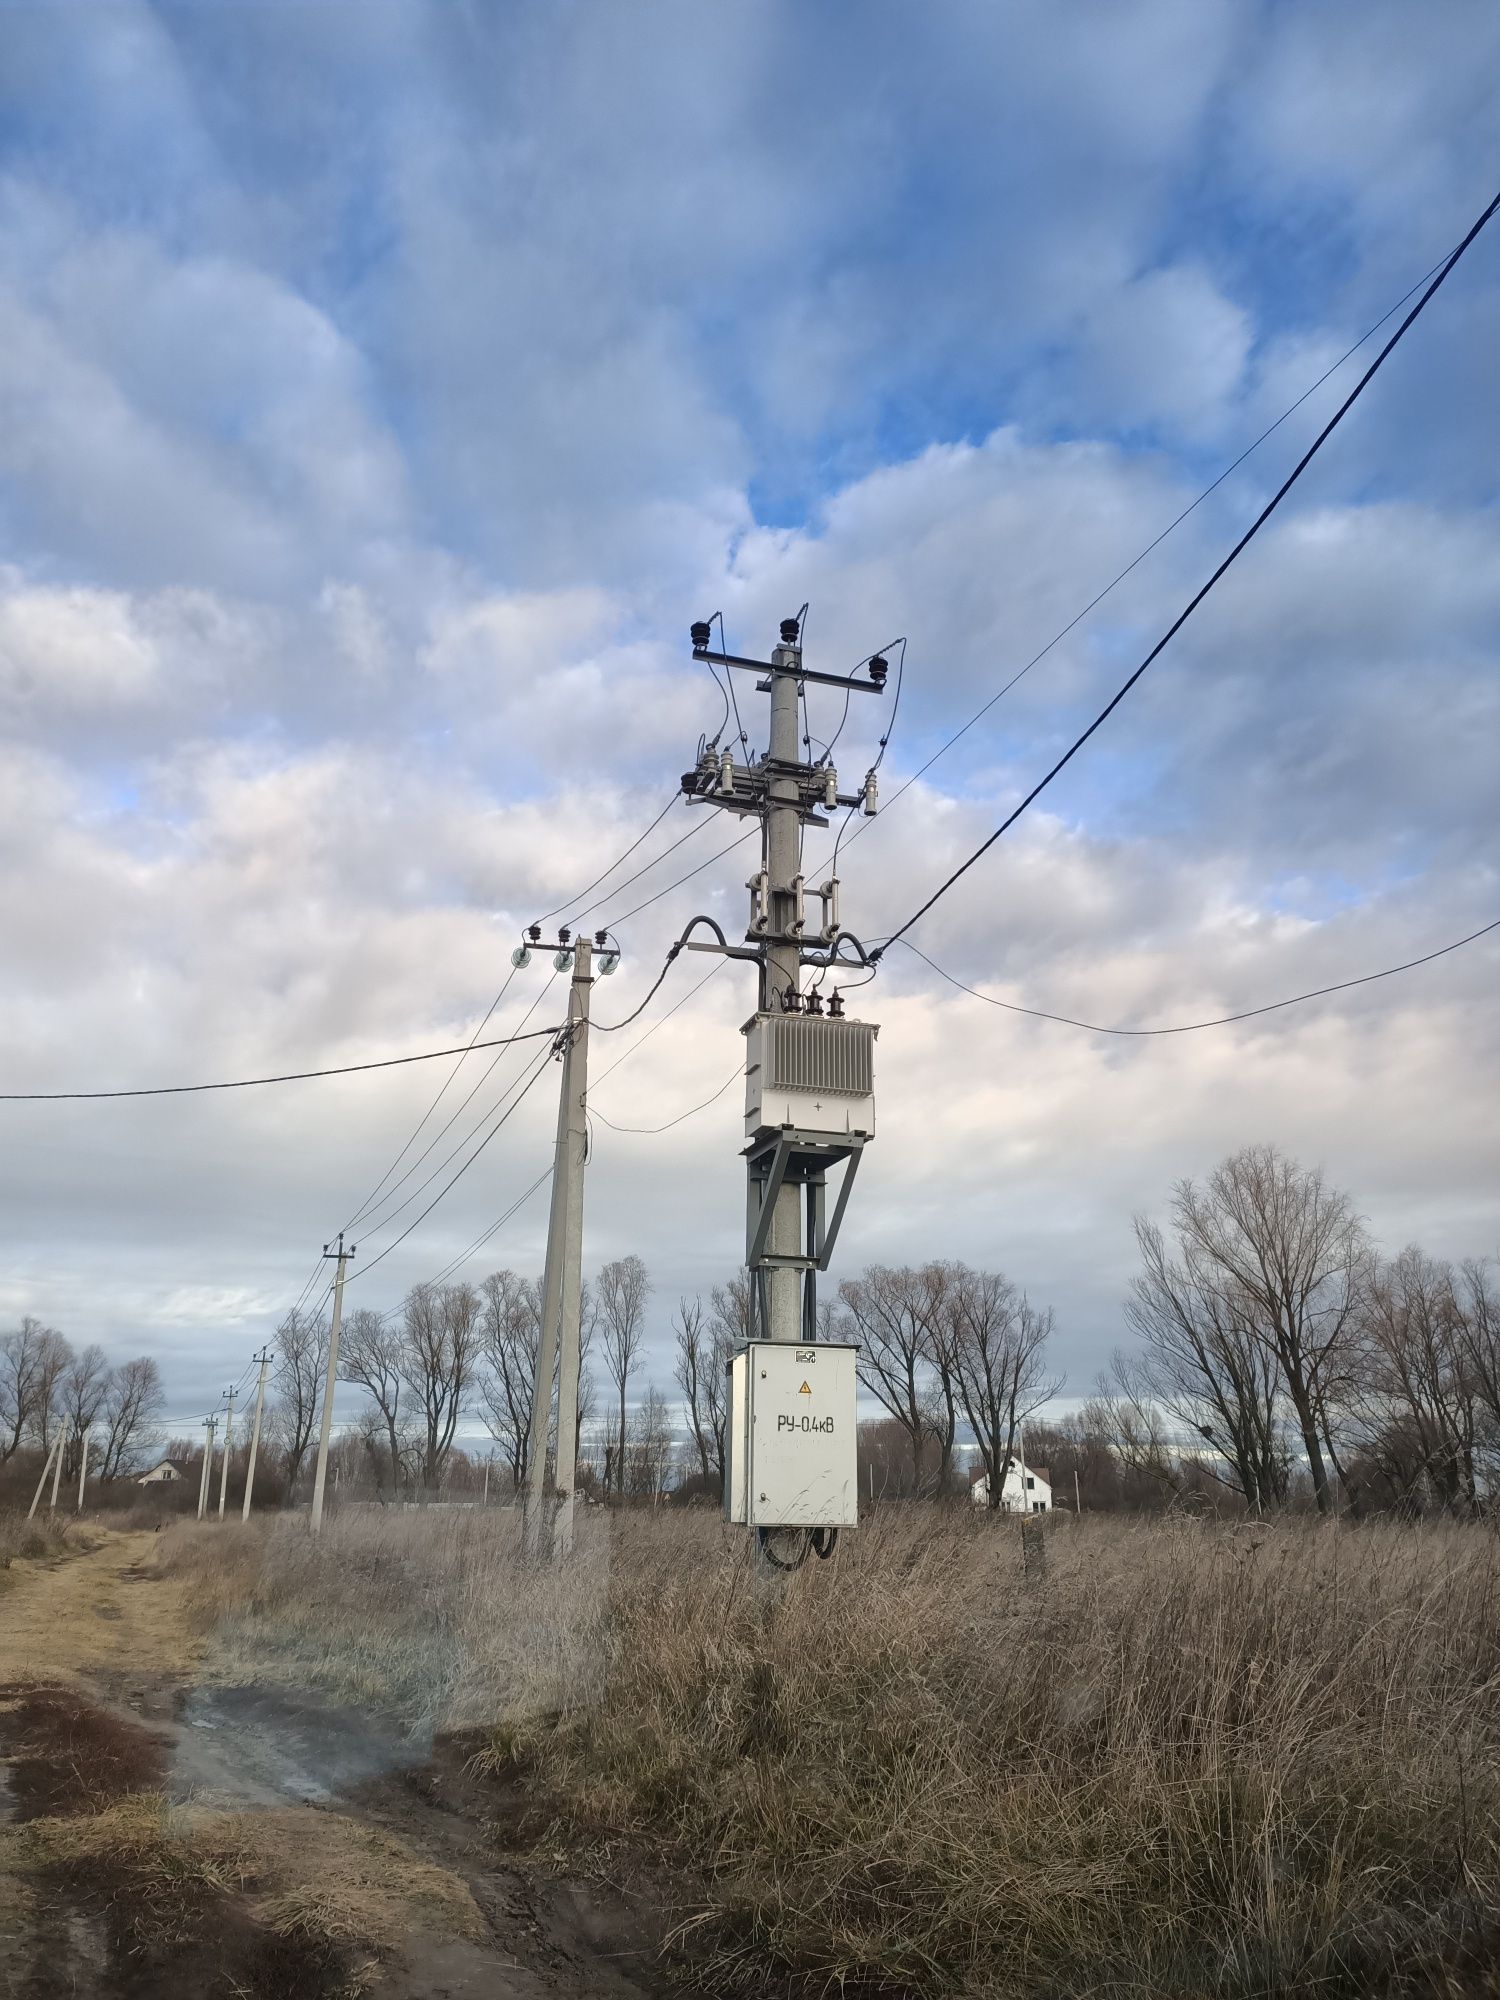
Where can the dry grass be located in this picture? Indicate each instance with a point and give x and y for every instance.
(424, 1615)
(1187, 1761)
(46, 1536)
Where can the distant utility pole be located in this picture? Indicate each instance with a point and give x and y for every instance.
(205, 1476)
(46, 1468)
(563, 1280)
(83, 1463)
(62, 1438)
(228, 1441)
(341, 1257)
(264, 1358)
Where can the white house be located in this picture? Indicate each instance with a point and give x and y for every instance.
(1027, 1490)
(161, 1474)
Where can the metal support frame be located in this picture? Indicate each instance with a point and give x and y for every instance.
(796, 1159)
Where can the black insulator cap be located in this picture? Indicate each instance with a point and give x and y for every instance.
(701, 632)
(790, 627)
(563, 934)
(534, 932)
(601, 938)
(836, 1004)
(879, 668)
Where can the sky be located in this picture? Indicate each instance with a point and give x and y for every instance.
(384, 389)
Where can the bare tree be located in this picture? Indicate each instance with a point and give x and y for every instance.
(1286, 1252)
(301, 1362)
(81, 1394)
(648, 1450)
(442, 1337)
(26, 1367)
(133, 1401)
(693, 1368)
(1478, 1311)
(1428, 1393)
(53, 1359)
(887, 1311)
(998, 1342)
(1205, 1362)
(511, 1324)
(370, 1355)
(622, 1291)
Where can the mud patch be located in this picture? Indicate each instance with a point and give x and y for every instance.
(64, 1754)
(254, 1747)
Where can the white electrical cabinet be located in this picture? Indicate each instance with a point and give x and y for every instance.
(791, 1436)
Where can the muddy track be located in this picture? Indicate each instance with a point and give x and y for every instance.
(162, 1838)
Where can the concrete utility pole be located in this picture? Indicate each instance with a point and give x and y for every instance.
(205, 1476)
(264, 1358)
(341, 1257)
(787, 1162)
(228, 1441)
(62, 1439)
(83, 1464)
(46, 1468)
(562, 1283)
(571, 1360)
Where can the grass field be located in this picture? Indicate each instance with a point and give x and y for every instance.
(1186, 1760)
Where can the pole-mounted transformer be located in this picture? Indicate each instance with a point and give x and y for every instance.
(809, 1111)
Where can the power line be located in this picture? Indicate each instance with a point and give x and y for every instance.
(738, 1072)
(693, 831)
(1223, 1020)
(739, 841)
(510, 1109)
(1135, 562)
(255, 1082)
(717, 967)
(454, 1115)
(589, 887)
(368, 1202)
(1243, 543)
(478, 1125)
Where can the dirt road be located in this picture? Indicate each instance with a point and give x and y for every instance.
(160, 1836)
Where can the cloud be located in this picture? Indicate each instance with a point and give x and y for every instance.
(376, 410)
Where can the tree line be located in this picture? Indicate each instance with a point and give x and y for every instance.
(46, 1387)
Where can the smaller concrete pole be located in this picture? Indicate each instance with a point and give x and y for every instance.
(205, 1478)
(46, 1468)
(83, 1464)
(260, 1398)
(341, 1257)
(57, 1471)
(224, 1467)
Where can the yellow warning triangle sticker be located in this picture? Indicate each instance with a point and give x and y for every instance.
(805, 1390)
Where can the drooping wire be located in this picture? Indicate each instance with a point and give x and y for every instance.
(886, 735)
(1240, 546)
(648, 1130)
(1156, 542)
(1224, 1020)
(256, 1082)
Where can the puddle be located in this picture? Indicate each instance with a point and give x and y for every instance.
(251, 1746)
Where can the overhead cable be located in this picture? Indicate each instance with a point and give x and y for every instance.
(1242, 544)
(369, 1201)
(504, 1117)
(1221, 1021)
(1135, 562)
(256, 1082)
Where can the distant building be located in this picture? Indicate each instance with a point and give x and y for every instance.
(161, 1474)
(1027, 1490)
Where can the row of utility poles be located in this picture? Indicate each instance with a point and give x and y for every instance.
(210, 1431)
(54, 1463)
